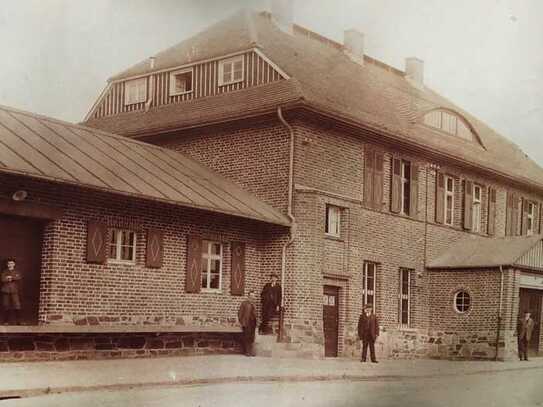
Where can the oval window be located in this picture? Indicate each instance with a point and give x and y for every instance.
(462, 301)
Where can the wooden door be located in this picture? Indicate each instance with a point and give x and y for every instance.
(531, 300)
(331, 320)
(21, 238)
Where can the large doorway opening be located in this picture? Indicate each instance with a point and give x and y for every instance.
(531, 300)
(21, 238)
(331, 320)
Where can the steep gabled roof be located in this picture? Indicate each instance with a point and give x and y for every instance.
(45, 148)
(374, 95)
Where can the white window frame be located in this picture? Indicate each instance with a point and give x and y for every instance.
(447, 194)
(406, 181)
(231, 61)
(455, 304)
(117, 234)
(207, 258)
(367, 291)
(402, 296)
(333, 221)
(520, 215)
(173, 91)
(476, 208)
(140, 96)
(530, 219)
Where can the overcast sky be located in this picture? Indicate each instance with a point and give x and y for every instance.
(485, 55)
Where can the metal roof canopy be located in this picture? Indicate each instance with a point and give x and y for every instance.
(45, 148)
(479, 252)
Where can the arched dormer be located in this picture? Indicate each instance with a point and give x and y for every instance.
(450, 122)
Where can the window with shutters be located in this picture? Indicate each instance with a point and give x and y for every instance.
(369, 275)
(530, 218)
(135, 91)
(181, 82)
(449, 201)
(476, 208)
(405, 298)
(231, 70)
(404, 187)
(122, 246)
(212, 254)
(333, 221)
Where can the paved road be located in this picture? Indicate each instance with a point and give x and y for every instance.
(510, 389)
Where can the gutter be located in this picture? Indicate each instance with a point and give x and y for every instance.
(290, 216)
(498, 330)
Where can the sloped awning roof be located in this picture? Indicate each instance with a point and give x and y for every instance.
(479, 252)
(50, 149)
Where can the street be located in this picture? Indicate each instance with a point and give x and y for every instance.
(508, 388)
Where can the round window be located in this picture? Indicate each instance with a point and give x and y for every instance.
(462, 301)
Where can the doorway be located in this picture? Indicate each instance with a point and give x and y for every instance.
(331, 320)
(21, 238)
(531, 300)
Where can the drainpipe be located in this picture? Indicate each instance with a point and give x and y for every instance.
(499, 313)
(291, 217)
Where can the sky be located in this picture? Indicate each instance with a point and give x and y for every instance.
(484, 55)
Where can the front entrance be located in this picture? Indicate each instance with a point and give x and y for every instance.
(331, 320)
(531, 300)
(21, 238)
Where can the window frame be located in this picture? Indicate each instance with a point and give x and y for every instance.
(332, 209)
(231, 60)
(365, 291)
(447, 194)
(455, 303)
(117, 232)
(530, 219)
(404, 296)
(405, 187)
(172, 90)
(207, 258)
(127, 100)
(476, 208)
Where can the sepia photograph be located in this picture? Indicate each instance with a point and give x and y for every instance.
(219, 203)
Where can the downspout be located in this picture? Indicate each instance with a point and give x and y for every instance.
(498, 330)
(291, 217)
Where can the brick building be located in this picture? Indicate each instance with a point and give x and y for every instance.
(377, 190)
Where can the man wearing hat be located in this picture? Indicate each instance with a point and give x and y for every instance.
(11, 301)
(247, 320)
(525, 328)
(270, 299)
(368, 331)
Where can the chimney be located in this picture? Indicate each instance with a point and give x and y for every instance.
(283, 14)
(353, 45)
(152, 62)
(414, 70)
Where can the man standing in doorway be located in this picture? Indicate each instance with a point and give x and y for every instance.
(525, 328)
(271, 303)
(247, 320)
(11, 301)
(368, 331)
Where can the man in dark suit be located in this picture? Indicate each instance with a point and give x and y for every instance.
(11, 300)
(525, 328)
(271, 302)
(368, 331)
(247, 320)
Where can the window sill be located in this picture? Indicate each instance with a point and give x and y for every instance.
(231, 83)
(121, 262)
(333, 237)
(211, 291)
(180, 93)
(134, 103)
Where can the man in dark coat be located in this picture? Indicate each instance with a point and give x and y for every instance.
(11, 301)
(247, 320)
(270, 299)
(525, 328)
(368, 331)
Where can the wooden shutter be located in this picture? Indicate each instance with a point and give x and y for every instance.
(514, 214)
(154, 252)
(369, 156)
(396, 186)
(237, 281)
(491, 211)
(193, 281)
(524, 219)
(96, 242)
(414, 192)
(378, 180)
(468, 205)
(440, 198)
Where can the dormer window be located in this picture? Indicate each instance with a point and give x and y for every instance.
(135, 91)
(231, 70)
(181, 82)
(448, 123)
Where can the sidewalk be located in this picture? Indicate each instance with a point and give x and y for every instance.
(35, 378)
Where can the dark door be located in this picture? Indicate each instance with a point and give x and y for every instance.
(21, 238)
(531, 300)
(331, 320)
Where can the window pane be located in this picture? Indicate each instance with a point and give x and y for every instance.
(214, 283)
(216, 248)
(450, 184)
(215, 266)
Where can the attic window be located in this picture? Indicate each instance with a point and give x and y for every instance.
(448, 123)
(181, 82)
(135, 91)
(231, 70)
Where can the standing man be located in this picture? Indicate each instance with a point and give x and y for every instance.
(247, 319)
(525, 328)
(11, 301)
(271, 302)
(368, 331)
